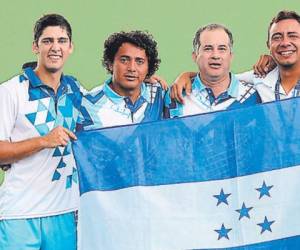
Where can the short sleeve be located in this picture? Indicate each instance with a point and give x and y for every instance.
(8, 110)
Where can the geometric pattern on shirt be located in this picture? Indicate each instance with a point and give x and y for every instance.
(43, 119)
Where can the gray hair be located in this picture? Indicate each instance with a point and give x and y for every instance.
(213, 26)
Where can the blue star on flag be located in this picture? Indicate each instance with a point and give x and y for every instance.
(223, 232)
(244, 211)
(222, 197)
(264, 190)
(266, 225)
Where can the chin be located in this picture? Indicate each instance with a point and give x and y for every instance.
(52, 69)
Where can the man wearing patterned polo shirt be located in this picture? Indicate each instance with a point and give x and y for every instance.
(40, 109)
(214, 87)
(125, 98)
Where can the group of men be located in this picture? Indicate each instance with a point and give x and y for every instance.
(206, 91)
(43, 108)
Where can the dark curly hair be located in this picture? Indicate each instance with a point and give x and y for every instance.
(138, 38)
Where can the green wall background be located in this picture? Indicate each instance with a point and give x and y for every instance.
(172, 23)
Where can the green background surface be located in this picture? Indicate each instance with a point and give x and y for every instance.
(172, 23)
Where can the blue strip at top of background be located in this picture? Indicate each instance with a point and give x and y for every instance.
(197, 148)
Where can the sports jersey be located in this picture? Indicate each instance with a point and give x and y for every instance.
(202, 99)
(44, 183)
(103, 107)
(269, 87)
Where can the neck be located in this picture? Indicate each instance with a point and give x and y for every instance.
(48, 78)
(218, 86)
(289, 77)
(133, 94)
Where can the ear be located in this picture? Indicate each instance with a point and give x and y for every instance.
(110, 67)
(35, 48)
(71, 47)
(231, 56)
(268, 44)
(194, 57)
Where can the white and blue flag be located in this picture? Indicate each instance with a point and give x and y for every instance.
(223, 180)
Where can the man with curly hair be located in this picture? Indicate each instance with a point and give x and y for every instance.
(125, 98)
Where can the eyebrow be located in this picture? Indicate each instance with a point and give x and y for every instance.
(127, 56)
(218, 46)
(289, 33)
(52, 38)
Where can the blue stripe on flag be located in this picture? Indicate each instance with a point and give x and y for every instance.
(291, 243)
(199, 148)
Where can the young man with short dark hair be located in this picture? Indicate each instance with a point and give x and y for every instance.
(40, 191)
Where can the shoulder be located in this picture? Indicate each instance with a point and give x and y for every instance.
(14, 84)
(95, 94)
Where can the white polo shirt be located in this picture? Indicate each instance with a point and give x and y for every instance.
(266, 87)
(44, 183)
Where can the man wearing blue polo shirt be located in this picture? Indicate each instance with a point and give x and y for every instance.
(125, 98)
(214, 87)
(40, 109)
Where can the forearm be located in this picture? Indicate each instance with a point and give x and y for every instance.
(13, 151)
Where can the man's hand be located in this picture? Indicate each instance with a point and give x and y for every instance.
(154, 79)
(11, 152)
(59, 136)
(183, 81)
(264, 65)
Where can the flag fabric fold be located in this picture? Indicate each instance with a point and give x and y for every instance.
(219, 180)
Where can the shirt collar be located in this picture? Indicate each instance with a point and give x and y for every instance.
(232, 90)
(36, 82)
(116, 98)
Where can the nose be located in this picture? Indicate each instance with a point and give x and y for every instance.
(215, 54)
(131, 66)
(55, 46)
(285, 42)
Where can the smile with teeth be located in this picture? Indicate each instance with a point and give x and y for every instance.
(54, 57)
(286, 53)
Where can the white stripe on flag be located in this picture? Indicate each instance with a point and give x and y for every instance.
(186, 216)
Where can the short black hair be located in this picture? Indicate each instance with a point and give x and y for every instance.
(51, 20)
(213, 26)
(283, 15)
(32, 65)
(138, 38)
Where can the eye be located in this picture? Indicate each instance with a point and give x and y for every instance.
(139, 61)
(63, 40)
(223, 49)
(276, 37)
(46, 41)
(123, 60)
(293, 35)
(207, 49)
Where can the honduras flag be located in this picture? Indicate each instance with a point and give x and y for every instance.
(224, 180)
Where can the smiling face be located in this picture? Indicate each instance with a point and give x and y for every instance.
(213, 56)
(53, 49)
(284, 43)
(129, 69)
